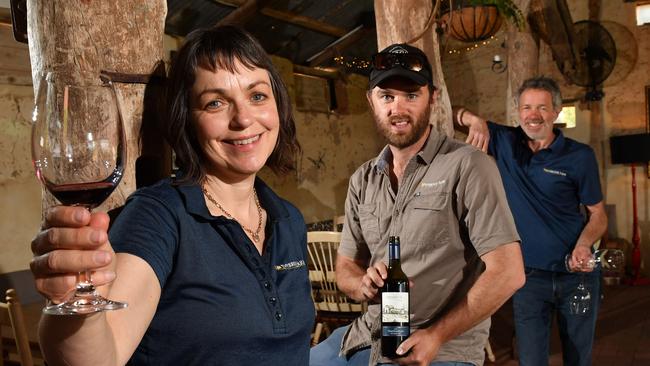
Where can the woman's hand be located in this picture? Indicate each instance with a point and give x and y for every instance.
(72, 240)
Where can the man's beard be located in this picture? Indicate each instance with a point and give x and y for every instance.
(419, 127)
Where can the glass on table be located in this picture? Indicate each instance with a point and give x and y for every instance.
(78, 151)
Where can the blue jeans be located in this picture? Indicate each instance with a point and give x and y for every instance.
(544, 294)
(326, 353)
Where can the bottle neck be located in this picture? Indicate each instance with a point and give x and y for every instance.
(393, 254)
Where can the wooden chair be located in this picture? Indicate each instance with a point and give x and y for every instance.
(332, 305)
(11, 316)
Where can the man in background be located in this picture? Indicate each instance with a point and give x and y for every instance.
(548, 178)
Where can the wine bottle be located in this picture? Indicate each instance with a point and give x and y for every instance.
(395, 323)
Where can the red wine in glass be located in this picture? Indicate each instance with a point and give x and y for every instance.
(91, 194)
(78, 150)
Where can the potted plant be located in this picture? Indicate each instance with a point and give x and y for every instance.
(477, 20)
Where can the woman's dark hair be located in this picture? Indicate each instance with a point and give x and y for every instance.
(212, 49)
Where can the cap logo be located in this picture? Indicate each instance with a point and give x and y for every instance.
(398, 49)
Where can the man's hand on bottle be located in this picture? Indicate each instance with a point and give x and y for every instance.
(420, 348)
(373, 281)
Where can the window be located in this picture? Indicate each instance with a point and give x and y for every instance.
(567, 117)
(643, 14)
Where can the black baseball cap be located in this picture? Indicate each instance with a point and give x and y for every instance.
(400, 60)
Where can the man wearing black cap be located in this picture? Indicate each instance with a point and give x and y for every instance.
(445, 200)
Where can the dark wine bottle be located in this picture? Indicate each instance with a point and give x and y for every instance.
(395, 323)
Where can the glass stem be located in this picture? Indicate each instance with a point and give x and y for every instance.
(85, 282)
(84, 279)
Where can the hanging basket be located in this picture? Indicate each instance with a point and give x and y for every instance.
(473, 23)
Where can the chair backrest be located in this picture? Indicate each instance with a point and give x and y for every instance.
(11, 315)
(322, 247)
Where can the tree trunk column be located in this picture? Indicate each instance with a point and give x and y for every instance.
(125, 36)
(523, 61)
(400, 22)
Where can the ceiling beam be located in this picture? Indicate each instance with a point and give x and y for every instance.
(336, 48)
(291, 18)
(312, 71)
(305, 22)
(243, 13)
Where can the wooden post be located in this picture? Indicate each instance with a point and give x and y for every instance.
(69, 36)
(401, 22)
(523, 61)
(597, 118)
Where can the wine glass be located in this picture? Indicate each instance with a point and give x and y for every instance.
(580, 299)
(610, 260)
(78, 151)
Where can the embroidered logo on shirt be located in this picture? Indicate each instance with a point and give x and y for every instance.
(556, 172)
(433, 184)
(290, 265)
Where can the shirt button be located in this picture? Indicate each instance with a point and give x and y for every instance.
(272, 300)
(267, 285)
(278, 316)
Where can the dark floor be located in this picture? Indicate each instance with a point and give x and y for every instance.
(622, 330)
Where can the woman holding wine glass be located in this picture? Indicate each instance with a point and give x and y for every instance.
(211, 262)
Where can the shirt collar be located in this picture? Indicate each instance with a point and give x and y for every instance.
(195, 203)
(556, 145)
(425, 155)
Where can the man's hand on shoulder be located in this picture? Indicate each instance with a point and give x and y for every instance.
(478, 134)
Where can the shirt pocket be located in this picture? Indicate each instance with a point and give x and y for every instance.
(435, 201)
(369, 222)
(428, 218)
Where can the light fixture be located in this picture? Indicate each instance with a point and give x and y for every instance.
(498, 65)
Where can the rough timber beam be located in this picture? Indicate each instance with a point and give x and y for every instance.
(292, 18)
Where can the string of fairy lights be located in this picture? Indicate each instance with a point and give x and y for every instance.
(352, 63)
(475, 46)
(356, 63)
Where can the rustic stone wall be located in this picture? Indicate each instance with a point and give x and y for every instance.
(334, 145)
(20, 192)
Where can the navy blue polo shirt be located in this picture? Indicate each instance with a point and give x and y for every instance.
(222, 303)
(545, 191)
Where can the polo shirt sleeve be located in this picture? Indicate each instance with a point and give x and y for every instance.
(497, 135)
(589, 190)
(353, 244)
(147, 228)
(483, 205)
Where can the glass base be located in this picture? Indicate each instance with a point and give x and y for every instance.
(81, 304)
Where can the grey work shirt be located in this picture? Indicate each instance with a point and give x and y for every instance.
(449, 210)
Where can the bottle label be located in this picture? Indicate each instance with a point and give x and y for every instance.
(399, 331)
(395, 307)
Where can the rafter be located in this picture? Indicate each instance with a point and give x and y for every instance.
(287, 17)
(243, 13)
(336, 48)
